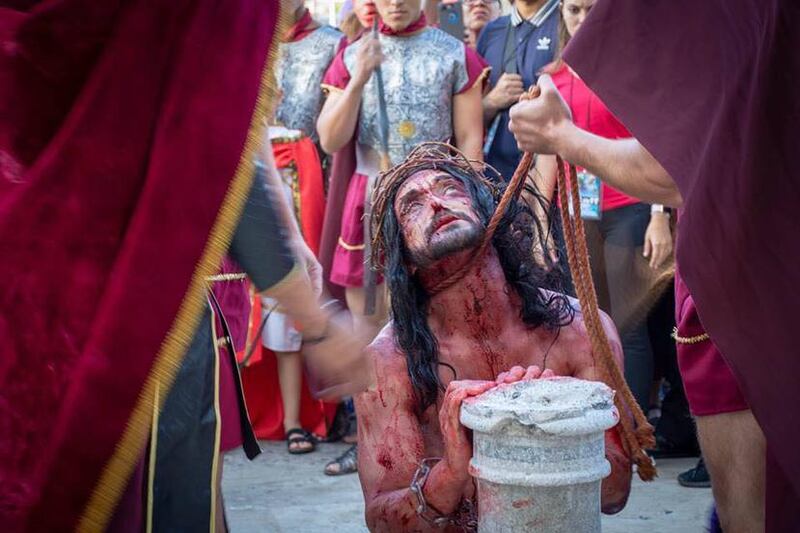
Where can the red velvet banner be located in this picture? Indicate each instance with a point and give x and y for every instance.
(124, 164)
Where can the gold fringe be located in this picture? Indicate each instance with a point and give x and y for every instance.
(116, 474)
(228, 276)
(689, 340)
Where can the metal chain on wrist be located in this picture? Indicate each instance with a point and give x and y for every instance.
(465, 518)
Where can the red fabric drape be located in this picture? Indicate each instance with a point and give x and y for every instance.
(123, 127)
(343, 164)
(303, 155)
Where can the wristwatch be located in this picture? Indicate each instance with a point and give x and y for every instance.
(658, 208)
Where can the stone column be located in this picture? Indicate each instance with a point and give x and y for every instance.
(539, 454)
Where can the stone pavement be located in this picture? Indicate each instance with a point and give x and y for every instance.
(279, 493)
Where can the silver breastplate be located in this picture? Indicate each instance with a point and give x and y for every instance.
(299, 71)
(421, 74)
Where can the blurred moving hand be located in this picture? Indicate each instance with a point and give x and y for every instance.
(658, 240)
(310, 265)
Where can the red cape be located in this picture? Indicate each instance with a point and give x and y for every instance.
(709, 88)
(343, 164)
(125, 159)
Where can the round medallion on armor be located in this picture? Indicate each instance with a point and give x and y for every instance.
(406, 129)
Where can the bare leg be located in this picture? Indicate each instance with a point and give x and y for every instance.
(290, 371)
(290, 375)
(735, 450)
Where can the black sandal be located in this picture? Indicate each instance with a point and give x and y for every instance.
(301, 436)
(348, 462)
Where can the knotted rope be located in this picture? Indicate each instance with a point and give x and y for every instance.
(635, 438)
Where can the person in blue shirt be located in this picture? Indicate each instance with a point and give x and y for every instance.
(516, 46)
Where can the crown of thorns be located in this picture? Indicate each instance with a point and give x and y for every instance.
(426, 156)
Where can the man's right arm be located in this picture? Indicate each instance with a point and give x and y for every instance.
(624, 164)
(544, 125)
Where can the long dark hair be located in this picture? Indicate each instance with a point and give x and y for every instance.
(513, 242)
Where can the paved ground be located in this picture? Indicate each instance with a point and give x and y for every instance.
(282, 493)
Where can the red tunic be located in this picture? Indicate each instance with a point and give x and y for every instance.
(711, 388)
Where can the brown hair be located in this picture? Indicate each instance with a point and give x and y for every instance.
(563, 40)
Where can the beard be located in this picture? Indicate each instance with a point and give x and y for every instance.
(465, 235)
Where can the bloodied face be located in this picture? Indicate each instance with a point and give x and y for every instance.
(436, 217)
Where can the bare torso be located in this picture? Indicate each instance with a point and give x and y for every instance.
(480, 334)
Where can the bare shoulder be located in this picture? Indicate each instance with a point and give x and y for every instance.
(391, 370)
(386, 354)
(575, 335)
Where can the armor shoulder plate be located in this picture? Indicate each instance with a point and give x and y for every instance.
(300, 68)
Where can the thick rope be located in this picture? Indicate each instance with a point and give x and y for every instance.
(637, 439)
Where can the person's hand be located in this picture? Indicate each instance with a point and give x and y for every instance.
(506, 92)
(310, 265)
(338, 362)
(658, 240)
(457, 444)
(518, 373)
(539, 124)
(368, 58)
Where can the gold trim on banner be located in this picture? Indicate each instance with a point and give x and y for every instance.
(116, 474)
(228, 276)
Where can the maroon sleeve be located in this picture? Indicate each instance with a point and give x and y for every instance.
(337, 75)
(477, 69)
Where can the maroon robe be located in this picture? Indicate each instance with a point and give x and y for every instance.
(121, 182)
(709, 88)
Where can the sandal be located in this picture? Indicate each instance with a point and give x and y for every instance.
(347, 463)
(299, 441)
